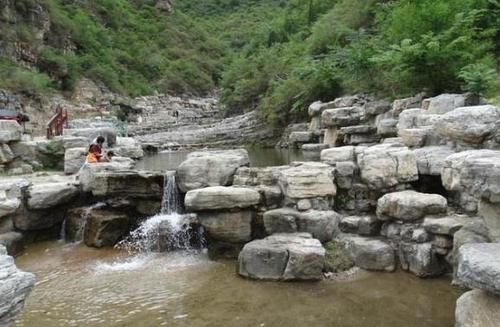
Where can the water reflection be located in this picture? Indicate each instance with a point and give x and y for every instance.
(259, 157)
(80, 286)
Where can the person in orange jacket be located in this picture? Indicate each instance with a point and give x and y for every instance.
(94, 154)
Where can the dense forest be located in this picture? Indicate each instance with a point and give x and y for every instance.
(273, 55)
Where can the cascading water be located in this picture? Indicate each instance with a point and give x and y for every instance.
(166, 231)
(81, 224)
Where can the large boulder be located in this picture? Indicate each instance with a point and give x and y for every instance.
(490, 212)
(322, 225)
(479, 266)
(370, 253)
(49, 195)
(15, 286)
(410, 205)
(477, 309)
(307, 180)
(210, 168)
(10, 131)
(468, 125)
(262, 179)
(283, 257)
(387, 165)
(220, 197)
(420, 259)
(128, 147)
(105, 228)
(341, 117)
(444, 103)
(430, 160)
(361, 225)
(232, 227)
(475, 173)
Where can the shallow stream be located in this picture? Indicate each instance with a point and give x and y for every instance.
(81, 286)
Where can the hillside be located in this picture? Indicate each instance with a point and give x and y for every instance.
(277, 56)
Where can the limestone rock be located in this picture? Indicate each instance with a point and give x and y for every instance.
(479, 266)
(70, 142)
(401, 105)
(477, 309)
(233, 227)
(370, 253)
(115, 179)
(74, 158)
(410, 205)
(414, 137)
(469, 125)
(92, 133)
(220, 197)
(409, 119)
(307, 180)
(475, 173)
(341, 117)
(445, 225)
(8, 205)
(444, 103)
(300, 137)
(314, 147)
(128, 147)
(377, 107)
(387, 165)
(15, 286)
(10, 131)
(210, 168)
(420, 259)
(387, 127)
(282, 257)
(105, 228)
(333, 155)
(6, 154)
(48, 195)
(430, 160)
(361, 225)
(490, 212)
(322, 225)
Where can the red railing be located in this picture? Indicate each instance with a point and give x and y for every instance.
(56, 124)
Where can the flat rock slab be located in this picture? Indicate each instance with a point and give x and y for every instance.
(221, 197)
(410, 205)
(283, 257)
(430, 160)
(477, 309)
(370, 253)
(333, 155)
(445, 225)
(479, 266)
(322, 225)
(48, 195)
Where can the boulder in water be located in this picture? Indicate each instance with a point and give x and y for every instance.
(105, 228)
(15, 286)
(477, 309)
(232, 227)
(48, 195)
(420, 259)
(295, 256)
(370, 253)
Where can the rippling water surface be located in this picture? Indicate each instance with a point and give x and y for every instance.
(80, 286)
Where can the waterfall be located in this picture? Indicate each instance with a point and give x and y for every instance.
(167, 231)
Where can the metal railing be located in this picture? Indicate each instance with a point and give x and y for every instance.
(56, 124)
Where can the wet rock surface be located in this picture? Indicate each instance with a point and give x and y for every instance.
(477, 309)
(15, 286)
(370, 253)
(282, 257)
(479, 266)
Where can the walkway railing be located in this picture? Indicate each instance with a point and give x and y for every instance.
(56, 124)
